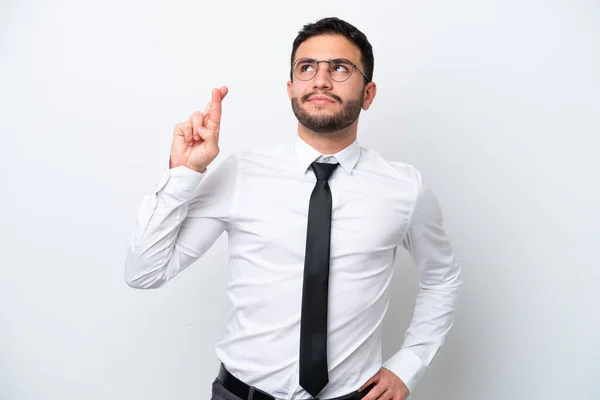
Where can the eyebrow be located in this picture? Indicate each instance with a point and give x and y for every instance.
(307, 59)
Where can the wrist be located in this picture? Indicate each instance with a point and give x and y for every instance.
(199, 170)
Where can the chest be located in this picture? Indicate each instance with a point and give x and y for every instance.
(368, 215)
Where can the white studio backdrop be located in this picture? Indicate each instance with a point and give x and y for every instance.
(496, 102)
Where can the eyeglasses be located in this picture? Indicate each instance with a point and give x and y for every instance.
(339, 69)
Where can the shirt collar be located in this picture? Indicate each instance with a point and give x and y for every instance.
(306, 155)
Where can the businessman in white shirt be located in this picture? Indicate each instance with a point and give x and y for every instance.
(313, 226)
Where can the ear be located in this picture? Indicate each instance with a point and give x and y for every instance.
(369, 96)
(290, 89)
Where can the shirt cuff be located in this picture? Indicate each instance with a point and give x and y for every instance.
(180, 182)
(407, 366)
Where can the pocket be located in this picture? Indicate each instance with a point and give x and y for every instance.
(220, 393)
(366, 391)
(216, 390)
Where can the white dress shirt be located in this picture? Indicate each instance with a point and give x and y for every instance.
(261, 198)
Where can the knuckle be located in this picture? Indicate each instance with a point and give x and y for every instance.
(181, 129)
(211, 152)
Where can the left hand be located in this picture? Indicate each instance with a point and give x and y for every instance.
(387, 387)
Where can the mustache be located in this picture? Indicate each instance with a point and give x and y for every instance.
(305, 98)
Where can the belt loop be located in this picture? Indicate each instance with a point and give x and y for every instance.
(251, 393)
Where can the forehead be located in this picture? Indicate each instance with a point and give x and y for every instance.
(325, 47)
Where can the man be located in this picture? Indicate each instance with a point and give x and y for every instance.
(313, 229)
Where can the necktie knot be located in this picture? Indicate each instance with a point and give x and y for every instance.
(323, 171)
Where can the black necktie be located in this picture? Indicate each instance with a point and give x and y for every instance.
(313, 325)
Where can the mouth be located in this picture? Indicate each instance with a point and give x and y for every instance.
(319, 99)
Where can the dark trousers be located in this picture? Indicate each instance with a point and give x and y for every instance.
(221, 393)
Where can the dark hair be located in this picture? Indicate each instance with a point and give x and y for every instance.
(336, 26)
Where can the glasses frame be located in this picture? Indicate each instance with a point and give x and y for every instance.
(354, 67)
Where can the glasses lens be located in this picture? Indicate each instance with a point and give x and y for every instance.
(305, 69)
(340, 70)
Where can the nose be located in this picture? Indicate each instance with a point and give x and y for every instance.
(322, 80)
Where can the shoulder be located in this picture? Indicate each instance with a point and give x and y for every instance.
(280, 150)
(261, 159)
(395, 169)
(236, 158)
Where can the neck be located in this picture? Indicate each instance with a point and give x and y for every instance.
(328, 143)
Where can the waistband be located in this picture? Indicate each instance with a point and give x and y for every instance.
(247, 392)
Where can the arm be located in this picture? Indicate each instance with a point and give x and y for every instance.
(439, 281)
(179, 222)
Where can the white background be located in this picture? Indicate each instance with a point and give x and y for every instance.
(496, 102)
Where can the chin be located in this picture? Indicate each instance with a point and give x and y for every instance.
(322, 107)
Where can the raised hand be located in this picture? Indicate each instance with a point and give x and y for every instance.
(196, 141)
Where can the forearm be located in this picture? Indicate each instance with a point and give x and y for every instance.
(161, 247)
(432, 319)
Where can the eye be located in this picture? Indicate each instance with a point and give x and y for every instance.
(307, 67)
(340, 68)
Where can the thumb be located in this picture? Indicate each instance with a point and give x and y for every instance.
(211, 143)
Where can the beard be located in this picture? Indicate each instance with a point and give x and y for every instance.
(323, 123)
